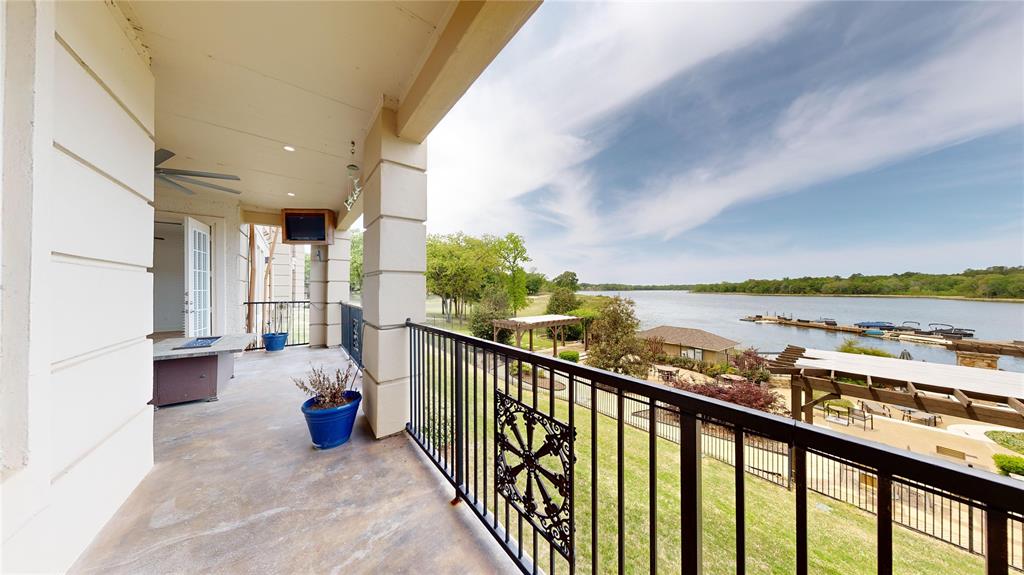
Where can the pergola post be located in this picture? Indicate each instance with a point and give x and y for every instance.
(554, 348)
(531, 339)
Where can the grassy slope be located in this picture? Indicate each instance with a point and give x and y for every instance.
(841, 537)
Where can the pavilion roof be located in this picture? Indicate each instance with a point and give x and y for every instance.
(535, 321)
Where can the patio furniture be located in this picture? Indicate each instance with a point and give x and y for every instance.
(667, 375)
(837, 414)
(911, 414)
(186, 371)
(862, 416)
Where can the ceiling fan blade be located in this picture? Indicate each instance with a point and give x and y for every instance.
(204, 184)
(175, 172)
(174, 184)
(162, 156)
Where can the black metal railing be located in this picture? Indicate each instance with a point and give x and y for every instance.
(574, 468)
(277, 316)
(352, 331)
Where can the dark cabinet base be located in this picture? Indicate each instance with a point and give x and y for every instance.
(190, 378)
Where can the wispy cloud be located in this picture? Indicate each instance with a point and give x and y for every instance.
(519, 152)
(971, 89)
(527, 124)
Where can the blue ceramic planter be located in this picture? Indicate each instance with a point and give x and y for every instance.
(332, 426)
(275, 341)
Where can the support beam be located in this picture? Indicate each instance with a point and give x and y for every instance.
(250, 315)
(472, 37)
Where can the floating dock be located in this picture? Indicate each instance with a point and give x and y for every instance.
(1013, 348)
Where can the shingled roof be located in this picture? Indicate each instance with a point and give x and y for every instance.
(689, 337)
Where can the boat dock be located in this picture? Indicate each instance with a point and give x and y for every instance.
(1012, 348)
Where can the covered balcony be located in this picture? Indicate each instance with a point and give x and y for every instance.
(552, 466)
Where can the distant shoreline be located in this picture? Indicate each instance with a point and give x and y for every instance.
(908, 296)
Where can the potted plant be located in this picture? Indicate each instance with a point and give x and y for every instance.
(275, 340)
(331, 409)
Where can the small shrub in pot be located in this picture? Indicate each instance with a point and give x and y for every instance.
(331, 409)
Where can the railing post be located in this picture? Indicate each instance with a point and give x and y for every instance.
(798, 455)
(996, 553)
(883, 494)
(691, 502)
(460, 423)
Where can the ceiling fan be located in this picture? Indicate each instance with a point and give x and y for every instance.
(176, 178)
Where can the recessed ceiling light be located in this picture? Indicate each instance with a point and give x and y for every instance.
(291, 194)
(289, 149)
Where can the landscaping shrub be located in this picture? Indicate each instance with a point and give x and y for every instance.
(1011, 440)
(1008, 464)
(745, 394)
(751, 366)
(846, 403)
(851, 346)
(569, 355)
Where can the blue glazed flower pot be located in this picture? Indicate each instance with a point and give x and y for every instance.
(332, 426)
(275, 341)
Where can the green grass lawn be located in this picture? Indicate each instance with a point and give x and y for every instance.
(841, 536)
(1012, 440)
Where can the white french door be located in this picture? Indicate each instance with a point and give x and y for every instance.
(198, 279)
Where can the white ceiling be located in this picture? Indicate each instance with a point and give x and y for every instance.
(236, 81)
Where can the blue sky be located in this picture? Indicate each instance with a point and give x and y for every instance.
(676, 143)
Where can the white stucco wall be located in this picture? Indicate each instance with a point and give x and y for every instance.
(88, 425)
(169, 277)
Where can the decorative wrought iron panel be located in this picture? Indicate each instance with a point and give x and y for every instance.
(534, 457)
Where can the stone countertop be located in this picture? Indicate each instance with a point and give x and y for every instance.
(226, 344)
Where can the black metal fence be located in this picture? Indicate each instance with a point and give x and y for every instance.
(352, 331)
(573, 468)
(277, 316)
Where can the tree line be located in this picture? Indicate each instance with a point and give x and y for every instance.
(992, 282)
(634, 287)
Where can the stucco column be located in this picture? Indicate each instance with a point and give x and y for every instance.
(394, 264)
(317, 296)
(281, 274)
(338, 256)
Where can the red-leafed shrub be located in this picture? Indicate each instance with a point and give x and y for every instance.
(751, 365)
(745, 394)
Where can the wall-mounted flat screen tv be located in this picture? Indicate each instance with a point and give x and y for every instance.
(314, 227)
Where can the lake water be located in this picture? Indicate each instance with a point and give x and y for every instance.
(721, 313)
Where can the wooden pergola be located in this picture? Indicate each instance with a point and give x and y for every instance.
(997, 405)
(521, 325)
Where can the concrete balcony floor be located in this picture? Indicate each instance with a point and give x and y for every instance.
(238, 488)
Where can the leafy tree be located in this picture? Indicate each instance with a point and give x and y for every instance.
(459, 268)
(562, 301)
(355, 266)
(493, 305)
(615, 345)
(567, 280)
(511, 252)
(534, 282)
(587, 317)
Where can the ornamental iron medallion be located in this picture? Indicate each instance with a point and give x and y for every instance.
(534, 458)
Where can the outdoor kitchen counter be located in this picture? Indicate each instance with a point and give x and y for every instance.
(181, 375)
